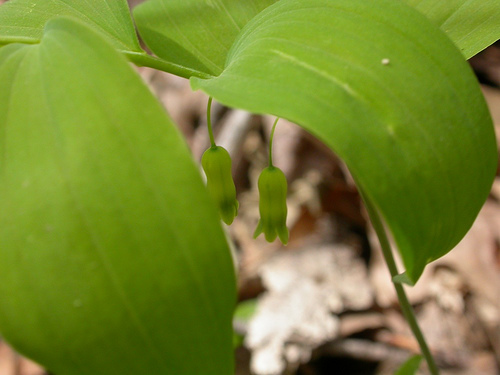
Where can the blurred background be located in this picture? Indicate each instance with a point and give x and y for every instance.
(325, 303)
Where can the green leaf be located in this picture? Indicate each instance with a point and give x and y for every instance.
(112, 258)
(473, 25)
(24, 20)
(242, 314)
(196, 34)
(410, 367)
(387, 91)
(245, 310)
(403, 278)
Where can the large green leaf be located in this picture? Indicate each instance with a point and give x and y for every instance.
(196, 34)
(112, 258)
(24, 20)
(472, 24)
(386, 90)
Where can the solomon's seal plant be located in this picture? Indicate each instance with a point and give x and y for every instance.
(216, 163)
(272, 204)
(108, 236)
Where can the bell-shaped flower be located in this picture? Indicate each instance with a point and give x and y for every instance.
(216, 163)
(272, 205)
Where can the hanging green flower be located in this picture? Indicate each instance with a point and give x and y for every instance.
(272, 204)
(216, 163)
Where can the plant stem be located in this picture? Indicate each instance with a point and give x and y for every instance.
(138, 58)
(143, 59)
(209, 123)
(403, 299)
(271, 142)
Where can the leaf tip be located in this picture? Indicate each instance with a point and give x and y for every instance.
(403, 278)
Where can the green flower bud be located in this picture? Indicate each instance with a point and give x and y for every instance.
(216, 163)
(272, 205)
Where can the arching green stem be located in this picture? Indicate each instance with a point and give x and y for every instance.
(271, 142)
(209, 122)
(143, 59)
(403, 299)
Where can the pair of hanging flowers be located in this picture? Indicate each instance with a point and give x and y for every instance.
(272, 185)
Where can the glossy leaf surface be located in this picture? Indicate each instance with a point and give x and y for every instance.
(24, 20)
(196, 34)
(472, 24)
(387, 91)
(112, 259)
